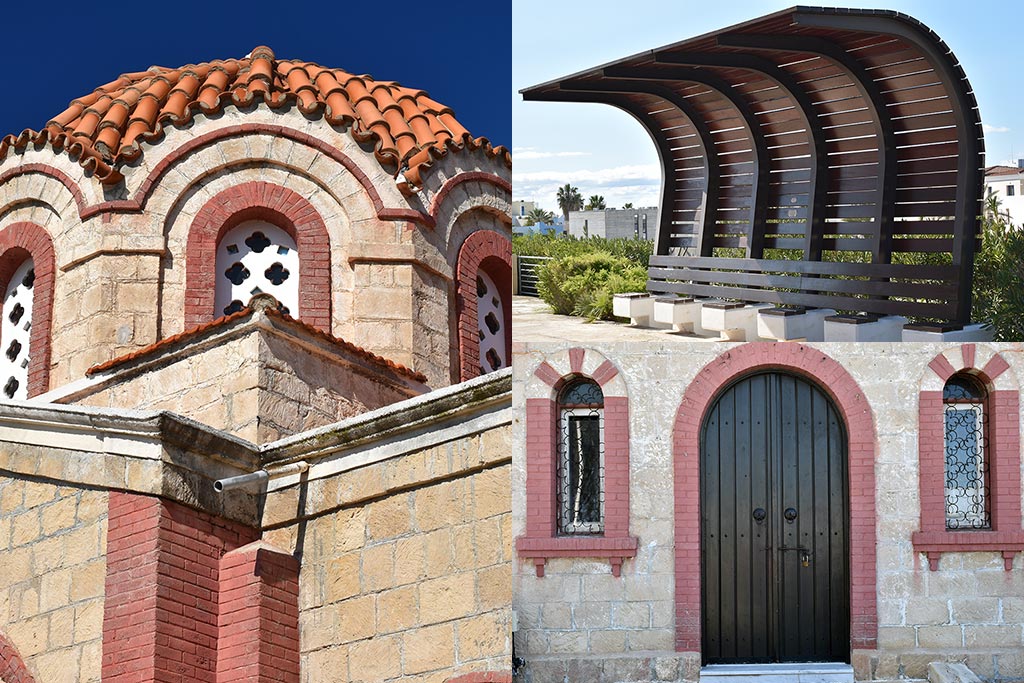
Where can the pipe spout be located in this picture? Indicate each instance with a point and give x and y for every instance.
(259, 477)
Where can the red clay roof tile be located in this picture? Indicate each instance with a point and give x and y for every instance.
(407, 128)
(245, 313)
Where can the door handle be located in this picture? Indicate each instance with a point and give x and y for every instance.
(789, 514)
(759, 514)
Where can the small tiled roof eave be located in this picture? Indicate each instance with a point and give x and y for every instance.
(104, 129)
(194, 334)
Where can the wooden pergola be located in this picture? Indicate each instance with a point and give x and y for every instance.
(793, 137)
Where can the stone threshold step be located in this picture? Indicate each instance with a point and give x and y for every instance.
(802, 672)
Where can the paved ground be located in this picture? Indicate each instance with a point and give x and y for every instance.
(532, 320)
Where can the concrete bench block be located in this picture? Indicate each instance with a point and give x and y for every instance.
(637, 306)
(790, 324)
(732, 321)
(864, 328)
(947, 333)
(682, 313)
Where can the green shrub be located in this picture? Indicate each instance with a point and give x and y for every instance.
(637, 251)
(584, 285)
(999, 280)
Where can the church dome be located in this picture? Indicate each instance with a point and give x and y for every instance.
(104, 129)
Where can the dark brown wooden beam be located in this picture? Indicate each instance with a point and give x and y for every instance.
(885, 210)
(762, 164)
(971, 161)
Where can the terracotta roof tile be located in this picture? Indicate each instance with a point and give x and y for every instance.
(1003, 170)
(105, 127)
(199, 330)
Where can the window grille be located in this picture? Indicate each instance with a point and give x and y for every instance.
(15, 332)
(967, 481)
(490, 324)
(253, 258)
(581, 458)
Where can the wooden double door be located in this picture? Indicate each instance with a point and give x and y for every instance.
(774, 520)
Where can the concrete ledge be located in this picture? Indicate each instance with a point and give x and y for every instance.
(947, 333)
(732, 321)
(791, 324)
(637, 306)
(864, 328)
(682, 313)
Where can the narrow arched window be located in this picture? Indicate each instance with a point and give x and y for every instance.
(256, 257)
(967, 481)
(490, 318)
(15, 331)
(581, 458)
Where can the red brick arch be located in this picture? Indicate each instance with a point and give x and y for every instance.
(18, 241)
(491, 252)
(12, 668)
(831, 377)
(275, 204)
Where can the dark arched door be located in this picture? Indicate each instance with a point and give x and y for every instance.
(774, 515)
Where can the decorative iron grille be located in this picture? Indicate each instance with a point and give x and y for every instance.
(581, 459)
(967, 481)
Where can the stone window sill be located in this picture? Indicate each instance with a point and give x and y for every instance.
(934, 543)
(540, 549)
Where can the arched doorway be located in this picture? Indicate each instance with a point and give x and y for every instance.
(774, 524)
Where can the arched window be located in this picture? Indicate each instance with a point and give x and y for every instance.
(256, 257)
(15, 331)
(967, 480)
(581, 458)
(490, 318)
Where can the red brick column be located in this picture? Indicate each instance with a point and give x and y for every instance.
(19, 241)
(274, 204)
(258, 625)
(160, 620)
(860, 428)
(491, 252)
(483, 677)
(541, 540)
(12, 668)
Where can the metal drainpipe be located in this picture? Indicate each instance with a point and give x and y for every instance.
(259, 476)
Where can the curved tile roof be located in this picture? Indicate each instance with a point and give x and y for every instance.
(104, 129)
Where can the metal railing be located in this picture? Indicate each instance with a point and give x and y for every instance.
(526, 274)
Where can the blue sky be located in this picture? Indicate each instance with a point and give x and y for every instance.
(60, 50)
(604, 151)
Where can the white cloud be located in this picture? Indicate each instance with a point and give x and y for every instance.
(528, 153)
(618, 185)
(994, 129)
(604, 176)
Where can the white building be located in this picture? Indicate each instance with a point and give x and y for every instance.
(614, 223)
(1007, 183)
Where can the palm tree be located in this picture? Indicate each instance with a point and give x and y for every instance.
(539, 215)
(627, 205)
(993, 209)
(569, 199)
(595, 203)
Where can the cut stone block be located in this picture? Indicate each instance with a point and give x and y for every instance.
(951, 672)
(864, 328)
(637, 306)
(732, 321)
(682, 313)
(789, 324)
(948, 333)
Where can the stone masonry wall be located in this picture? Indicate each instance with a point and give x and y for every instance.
(578, 615)
(52, 572)
(219, 387)
(401, 581)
